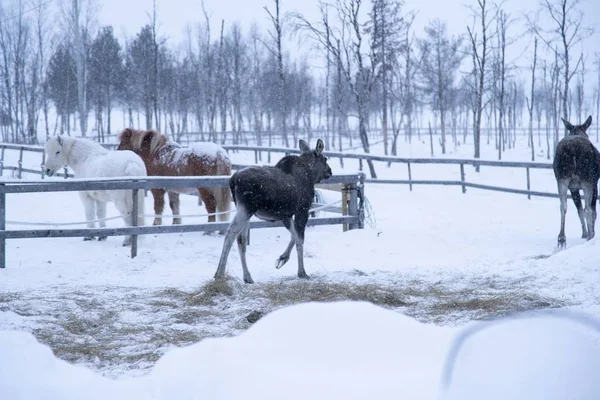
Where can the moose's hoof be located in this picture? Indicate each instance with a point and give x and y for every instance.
(590, 236)
(248, 280)
(303, 275)
(88, 238)
(102, 238)
(281, 262)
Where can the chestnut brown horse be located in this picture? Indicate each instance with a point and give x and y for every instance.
(164, 157)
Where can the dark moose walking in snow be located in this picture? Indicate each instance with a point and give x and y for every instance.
(577, 167)
(284, 193)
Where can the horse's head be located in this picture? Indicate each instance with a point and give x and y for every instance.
(578, 129)
(316, 161)
(126, 140)
(56, 154)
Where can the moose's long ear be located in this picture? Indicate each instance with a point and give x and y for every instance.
(568, 125)
(304, 147)
(60, 141)
(320, 146)
(587, 123)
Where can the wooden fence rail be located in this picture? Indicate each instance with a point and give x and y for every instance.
(361, 157)
(352, 192)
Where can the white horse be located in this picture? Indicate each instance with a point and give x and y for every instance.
(89, 159)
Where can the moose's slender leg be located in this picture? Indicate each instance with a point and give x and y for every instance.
(238, 224)
(593, 205)
(174, 204)
(562, 193)
(577, 200)
(242, 241)
(285, 256)
(300, 220)
(590, 194)
(159, 205)
(101, 215)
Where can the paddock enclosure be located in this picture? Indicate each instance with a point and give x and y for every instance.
(434, 253)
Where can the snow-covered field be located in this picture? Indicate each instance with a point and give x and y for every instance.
(435, 260)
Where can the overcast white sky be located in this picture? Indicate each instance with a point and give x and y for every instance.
(127, 16)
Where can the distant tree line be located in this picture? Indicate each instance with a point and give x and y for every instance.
(380, 75)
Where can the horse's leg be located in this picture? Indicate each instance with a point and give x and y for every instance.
(242, 241)
(285, 256)
(590, 193)
(89, 206)
(237, 226)
(159, 205)
(210, 203)
(174, 204)
(101, 215)
(577, 200)
(563, 186)
(300, 221)
(125, 207)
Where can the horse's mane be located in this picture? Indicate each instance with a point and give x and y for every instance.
(157, 140)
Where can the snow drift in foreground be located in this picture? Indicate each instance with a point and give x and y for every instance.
(346, 350)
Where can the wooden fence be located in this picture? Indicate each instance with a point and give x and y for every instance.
(362, 158)
(351, 188)
(460, 162)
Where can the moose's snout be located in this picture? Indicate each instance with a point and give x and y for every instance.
(49, 172)
(328, 173)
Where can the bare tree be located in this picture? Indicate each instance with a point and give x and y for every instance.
(359, 69)
(43, 34)
(441, 57)
(276, 36)
(565, 26)
(479, 52)
(385, 27)
(598, 96)
(531, 102)
(502, 24)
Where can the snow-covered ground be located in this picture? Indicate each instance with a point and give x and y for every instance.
(436, 259)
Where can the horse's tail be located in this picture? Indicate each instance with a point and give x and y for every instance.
(223, 195)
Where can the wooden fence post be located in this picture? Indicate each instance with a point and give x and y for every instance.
(20, 163)
(361, 201)
(409, 177)
(134, 222)
(2, 162)
(42, 165)
(2, 227)
(360, 164)
(462, 177)
(353, 206)
(345, 205)
(528, 184)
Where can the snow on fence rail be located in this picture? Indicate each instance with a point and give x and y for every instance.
(361, 157)
(351, 187)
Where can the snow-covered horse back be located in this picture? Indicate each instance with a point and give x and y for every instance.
(88, 159)
(281, 193)
(164, 157)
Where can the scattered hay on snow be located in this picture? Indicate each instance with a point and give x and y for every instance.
(118, 330)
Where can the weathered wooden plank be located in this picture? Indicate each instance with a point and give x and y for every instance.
(510, 190)
(414, 182)
(122, 183)
(159, 229)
